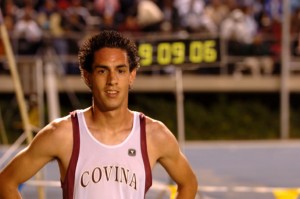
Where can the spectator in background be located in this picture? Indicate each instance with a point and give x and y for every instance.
(127, 4)
(270, 33)
(295, 31)
(107, 9)
(9, 19)
(217, 11)
(63, 4)
(51, 21)
(50, 18)
(127, 7)
(27, 9)
(76, 17)
(9, 15)
(240, 29)
(28, 32)
(231, 4)
(273, 8)
(171, 20)
(271, 26)
(76, 24)
(295, 4)
(149, 16)
(130, 22)
(193, 18)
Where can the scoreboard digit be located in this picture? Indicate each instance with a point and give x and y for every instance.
(178, 52)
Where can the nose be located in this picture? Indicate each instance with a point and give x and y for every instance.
(112, 78)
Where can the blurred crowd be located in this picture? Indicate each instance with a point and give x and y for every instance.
(255, 23)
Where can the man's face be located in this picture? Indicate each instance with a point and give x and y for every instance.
(110, 79)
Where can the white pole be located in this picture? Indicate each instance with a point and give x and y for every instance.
(40, 90)
(52, 92)
(180, 107)
(285, 70)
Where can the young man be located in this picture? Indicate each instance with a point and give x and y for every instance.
(106, 150)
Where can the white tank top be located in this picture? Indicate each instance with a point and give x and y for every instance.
(97, 170)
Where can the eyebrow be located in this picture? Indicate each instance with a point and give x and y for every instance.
(107, 67)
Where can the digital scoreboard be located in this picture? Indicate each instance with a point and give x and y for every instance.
(179, 52)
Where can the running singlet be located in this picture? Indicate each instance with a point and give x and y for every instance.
(97, 170)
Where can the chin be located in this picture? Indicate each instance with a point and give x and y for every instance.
(111, 107)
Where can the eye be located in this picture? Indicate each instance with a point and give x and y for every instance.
(101, 71)
(122, 71)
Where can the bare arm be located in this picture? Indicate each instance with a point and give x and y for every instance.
(182, 174)
(28, 162)
(180, 171)
(19, 170)
(175, 163)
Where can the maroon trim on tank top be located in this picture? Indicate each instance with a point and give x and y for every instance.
(145, 153)
(68, 184)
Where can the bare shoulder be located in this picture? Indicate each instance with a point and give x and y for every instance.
(161, 141)
(157, 130)
(54, 138)
(58, 128)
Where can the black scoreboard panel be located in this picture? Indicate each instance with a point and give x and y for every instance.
(179, 52)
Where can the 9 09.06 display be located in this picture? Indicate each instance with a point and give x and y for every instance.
(179, 52)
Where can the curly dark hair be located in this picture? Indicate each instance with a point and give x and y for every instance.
(106, 39)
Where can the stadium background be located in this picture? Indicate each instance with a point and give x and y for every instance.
(233, 92)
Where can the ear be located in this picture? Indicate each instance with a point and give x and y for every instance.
(132, 77)
(87, 79)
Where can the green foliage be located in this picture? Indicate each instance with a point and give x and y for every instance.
(161, 107)
(295, 123)
(227, 119)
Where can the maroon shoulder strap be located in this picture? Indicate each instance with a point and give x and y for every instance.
(145, 153)
(68, 184)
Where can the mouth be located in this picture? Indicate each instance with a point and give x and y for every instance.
(111, 93)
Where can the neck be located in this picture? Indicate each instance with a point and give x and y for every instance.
(110, 119)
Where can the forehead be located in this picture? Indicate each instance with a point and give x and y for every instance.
(110, 55)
